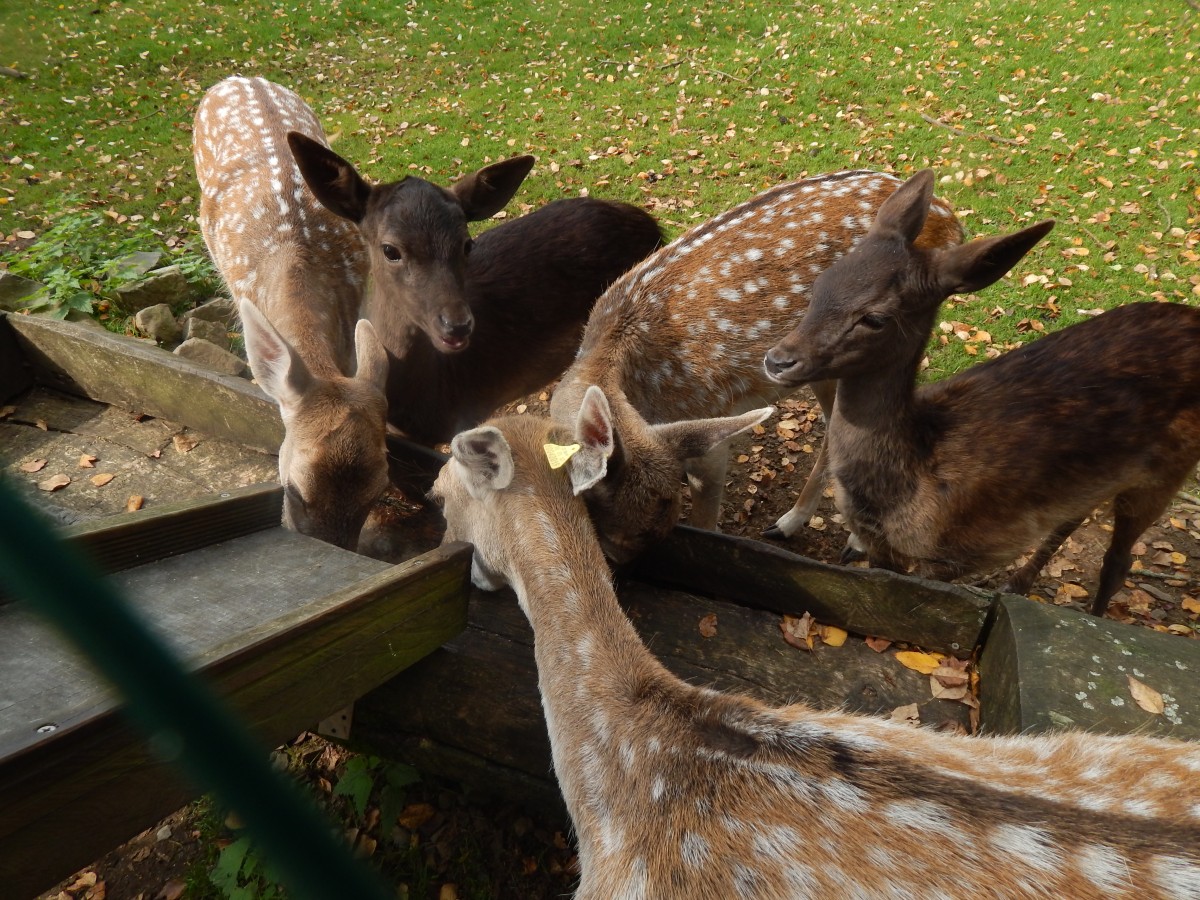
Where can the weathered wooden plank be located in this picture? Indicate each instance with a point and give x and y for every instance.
(16, 376)
(471, 710)
(1045, 668)
(136, 538)
(142, 378)
(931, 614)
(92, 783)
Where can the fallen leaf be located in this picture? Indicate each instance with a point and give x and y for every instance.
(909, 715)
(833, 636)
(85, 880)
(87, 461)
(154, 454)
(134, 502)
(41, 423)
(183, 443)
(797, 631)
(6, 411)
(102, 479)
(54, 482)
(34, 465)
(878, 644)
(925, 663)
(708, 625)
(172, 890)
(415, 815)
(1191, 604)
(1145, 696)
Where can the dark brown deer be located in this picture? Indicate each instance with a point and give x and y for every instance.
(956, 477)
(677, 791)
(502, 313)
(683, 336)
(297, 272)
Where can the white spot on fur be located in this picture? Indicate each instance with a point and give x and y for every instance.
(1031, 846)
(1104, 867)
(694, 850)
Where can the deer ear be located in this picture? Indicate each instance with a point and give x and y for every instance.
(333, 181)
(904, 212)
(594, 434)
(486, 192)
(370, 355)
(277, 368)
(974, 266)
(696, 437)
(485, 460)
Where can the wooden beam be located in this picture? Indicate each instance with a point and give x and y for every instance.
(931, 614)
(143, 378)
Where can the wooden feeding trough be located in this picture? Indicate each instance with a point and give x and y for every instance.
(340, 628)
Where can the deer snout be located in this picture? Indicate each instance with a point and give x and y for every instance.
(455, 331)
(782, 365)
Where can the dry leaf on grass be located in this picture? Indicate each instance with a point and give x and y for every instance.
(708, 625)
(925, 663)
(34, 465)
(102, 479)
(1145, 696)
(54, 482)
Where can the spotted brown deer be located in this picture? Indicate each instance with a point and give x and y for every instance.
(471, 324)
(962, 475)
(680, 791)
(683, 336)
(297, 273)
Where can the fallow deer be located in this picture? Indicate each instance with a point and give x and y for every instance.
(297, 273)
(683, 335)
(680, 791)
(471, 324)
(958, 476)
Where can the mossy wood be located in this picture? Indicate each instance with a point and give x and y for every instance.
(1044, 668)
(143, 378)
(286, 628)
(471, 710)
(931, 614)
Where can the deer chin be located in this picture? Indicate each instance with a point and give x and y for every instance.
(452, 344)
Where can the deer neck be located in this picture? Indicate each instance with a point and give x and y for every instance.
(592, 666)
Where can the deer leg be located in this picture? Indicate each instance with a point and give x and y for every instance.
(1133, 512)
(1022, 580)
(706, 475)
(810, 496)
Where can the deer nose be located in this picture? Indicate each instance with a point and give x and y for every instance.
(777, 362)
(456, 329)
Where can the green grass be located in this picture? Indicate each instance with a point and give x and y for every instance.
(1088, 114)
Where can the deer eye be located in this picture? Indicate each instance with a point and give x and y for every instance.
(391, 252)
(468, 246)
(874, 321)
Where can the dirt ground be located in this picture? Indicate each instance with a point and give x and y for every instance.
(529, 859)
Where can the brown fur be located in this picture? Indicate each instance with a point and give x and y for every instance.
(956, 477)
(679, 791)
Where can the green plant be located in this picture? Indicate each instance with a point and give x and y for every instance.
(80, 262)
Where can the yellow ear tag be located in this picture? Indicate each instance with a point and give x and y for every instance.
(558, 454)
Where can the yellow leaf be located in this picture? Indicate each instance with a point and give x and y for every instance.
(102, 479)
(833, 636)
(1191, 604)
(925, 663)
(1145, 696)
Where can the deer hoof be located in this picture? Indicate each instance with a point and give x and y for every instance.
(774, 532)
(851, 554)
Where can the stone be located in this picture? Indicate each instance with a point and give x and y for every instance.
(209, 354)
(159, 323)
(165, 285)
(219, 309)
(215, 332)
(14, 289)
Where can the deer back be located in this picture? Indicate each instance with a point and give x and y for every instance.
(297, 273)
(679, 791)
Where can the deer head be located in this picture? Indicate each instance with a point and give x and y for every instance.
(415, 233)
